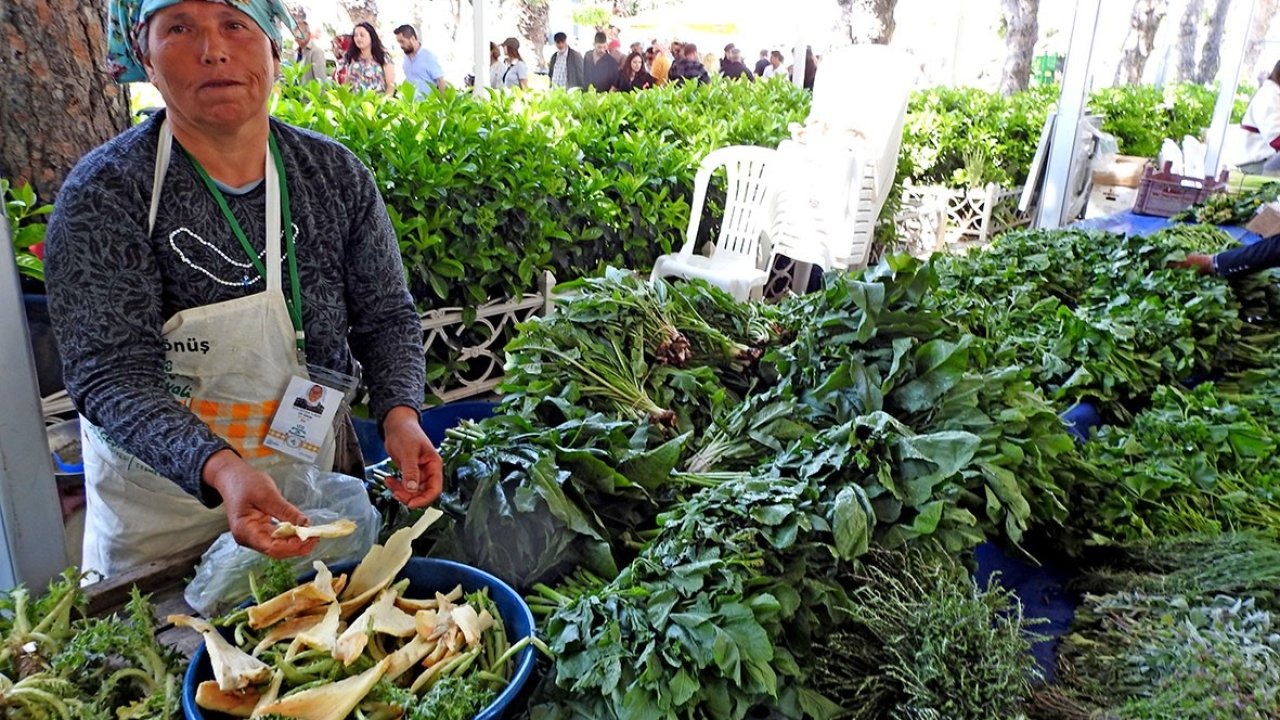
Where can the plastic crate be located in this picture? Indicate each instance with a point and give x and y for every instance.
(1164, 194)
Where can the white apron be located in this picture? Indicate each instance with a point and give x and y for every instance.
(229, 363)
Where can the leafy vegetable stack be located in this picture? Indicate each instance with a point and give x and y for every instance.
(714, 494)
(1102, 316)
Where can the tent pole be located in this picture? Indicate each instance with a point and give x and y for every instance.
(1216, 136)
(1075, 84)
(480, 46)
(32, 540)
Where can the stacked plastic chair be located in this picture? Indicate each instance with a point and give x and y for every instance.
(836, 174)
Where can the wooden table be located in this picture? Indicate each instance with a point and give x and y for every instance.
(164, 580)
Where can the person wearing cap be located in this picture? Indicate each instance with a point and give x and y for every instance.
(199, 264)
(565, 66)
(514, 72)
(731, 65)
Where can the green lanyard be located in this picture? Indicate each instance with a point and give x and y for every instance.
(293, 301)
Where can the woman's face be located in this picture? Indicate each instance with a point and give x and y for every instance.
(212, 64)
(361, 38)
(636, 64)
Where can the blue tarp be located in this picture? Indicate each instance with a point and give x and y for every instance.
(1130, 223)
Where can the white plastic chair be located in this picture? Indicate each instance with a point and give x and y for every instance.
(740, 257)
(841, 174)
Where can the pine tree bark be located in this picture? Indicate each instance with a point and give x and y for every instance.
(361, 11)
(1144, 22)
(1263, 13)
(867, 21)
(1022, 30)
(1189, 33)
(535, 15)
(57, 100)
(1210, 58)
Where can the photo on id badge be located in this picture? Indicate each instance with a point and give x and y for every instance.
(302, 423)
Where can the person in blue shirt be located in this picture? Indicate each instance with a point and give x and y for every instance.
(421, 68)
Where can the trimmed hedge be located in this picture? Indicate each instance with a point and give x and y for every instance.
(486, 194)
(964, 137)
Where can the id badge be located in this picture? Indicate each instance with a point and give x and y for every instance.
(304, 419)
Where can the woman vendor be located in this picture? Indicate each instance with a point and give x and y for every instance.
(200, 265)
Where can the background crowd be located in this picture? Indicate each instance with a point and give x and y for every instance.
(365, 63)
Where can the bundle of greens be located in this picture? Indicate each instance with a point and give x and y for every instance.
(55, 664)
(1196, 461)
(712, 615)
(977, 450)
(873, 421)
(923, 640)
(1179, 627)
(630, 348)
(1157, 656)
(1103, 316)
(532, 503)
(1197, 567)
(1230, 208)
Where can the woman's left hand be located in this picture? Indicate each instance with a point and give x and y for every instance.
(421, 470)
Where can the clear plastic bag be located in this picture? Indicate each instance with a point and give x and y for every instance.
(222, 577)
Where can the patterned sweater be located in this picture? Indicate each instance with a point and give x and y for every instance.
(111, 286)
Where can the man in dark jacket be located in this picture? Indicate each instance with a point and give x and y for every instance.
(1246, 260)
(762, 63)
(688, 66)
(731, 65)
(599, 68)
(566, 64)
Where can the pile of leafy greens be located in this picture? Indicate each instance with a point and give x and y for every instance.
(694, 479)
(1198, 460)
(1104, 317)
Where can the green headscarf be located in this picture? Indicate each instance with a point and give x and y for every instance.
(128, 20)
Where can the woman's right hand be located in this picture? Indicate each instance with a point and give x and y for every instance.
(252, 503)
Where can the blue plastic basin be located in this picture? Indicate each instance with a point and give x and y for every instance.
(426, 576)
(435, 421)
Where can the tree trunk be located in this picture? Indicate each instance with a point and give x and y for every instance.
(1209, 57)
(455, 19)
(1022, 29)
(57, 100)
(867, 21)
(1190, 30)
(361, 11)
(1144, 22)
(1263, 13)
(535, 15)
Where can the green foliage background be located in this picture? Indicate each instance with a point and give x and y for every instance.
(485, 194)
